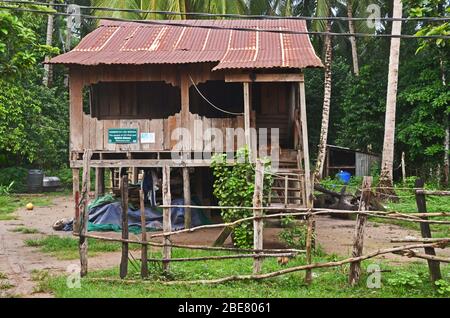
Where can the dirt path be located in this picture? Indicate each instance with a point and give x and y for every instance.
(18, 261)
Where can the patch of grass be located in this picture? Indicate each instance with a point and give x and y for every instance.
(328, 282)
(3, 276)
(25, 230)
(66, 248)
(11, 203)
(41, 277)
(4, 285)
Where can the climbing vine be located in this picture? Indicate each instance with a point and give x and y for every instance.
(234, 186)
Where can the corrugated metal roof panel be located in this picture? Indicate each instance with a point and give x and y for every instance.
(195, 41)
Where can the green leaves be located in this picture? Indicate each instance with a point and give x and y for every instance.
(234, 186)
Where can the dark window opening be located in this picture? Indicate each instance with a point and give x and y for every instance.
(134, 100)
(226, 96)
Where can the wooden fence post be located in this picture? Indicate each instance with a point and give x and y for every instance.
(258, 224)
(144, 264)
(309, 241)
(84, 212)
(433, 266)
(124, 197)
(167, 223)
(358, 238)
(187, 198)
(76, 199)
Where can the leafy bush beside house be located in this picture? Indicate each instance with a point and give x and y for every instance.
(234, 186)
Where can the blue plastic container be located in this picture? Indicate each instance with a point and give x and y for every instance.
(344, 176)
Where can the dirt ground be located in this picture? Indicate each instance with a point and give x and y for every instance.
(18, 261)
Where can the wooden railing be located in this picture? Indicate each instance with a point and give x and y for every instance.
(95, 133)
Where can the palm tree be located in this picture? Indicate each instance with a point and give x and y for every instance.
(386, 176)
(48, 74)
(183, 6)
(324, 6)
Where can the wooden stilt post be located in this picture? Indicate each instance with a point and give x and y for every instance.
(433, 266)
(247, 115)
(99, 182)
(258, 224)
(167, 223)
(308, 183)
(76, 199)
(187, 198)
(144, 264)
(84, 212)
(358, 238)
(305, 146)
(135, 175)
(124, 197)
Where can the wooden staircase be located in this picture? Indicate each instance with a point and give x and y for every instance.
(288, 182)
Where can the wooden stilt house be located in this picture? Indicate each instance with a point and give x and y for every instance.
(134, 85)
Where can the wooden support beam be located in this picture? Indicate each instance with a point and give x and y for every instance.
(258, 225)
(433, 266)
(247, 115)
(185, 84)
(305, 148)
(99, 182)
(187, 198)
(124, 197)
(358, 238)
(167, 223)
(135, 175)
(270, 78)
(76, 198)
(76, 111)
(84, 213)
(144, 247)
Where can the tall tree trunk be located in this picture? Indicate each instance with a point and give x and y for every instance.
(351, 28)
(447, 132)
(48, 69)
(326, 106)
(386, 177)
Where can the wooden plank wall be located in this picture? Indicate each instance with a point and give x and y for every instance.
(95, 133)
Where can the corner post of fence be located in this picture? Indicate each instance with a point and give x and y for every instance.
(167, 225)
(124, 197)
(258, 224)
(358, 238)
(84, 212)
(433, 266)
(144, 263)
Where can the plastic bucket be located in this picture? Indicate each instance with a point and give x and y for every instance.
(344, 176)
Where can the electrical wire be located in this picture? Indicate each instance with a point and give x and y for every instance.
(228, 15)
(210, 103)
(186, 24)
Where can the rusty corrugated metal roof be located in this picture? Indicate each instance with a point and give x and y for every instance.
(193, 42)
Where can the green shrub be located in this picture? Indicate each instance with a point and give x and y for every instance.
(18, 175)
(405, 279)
(234, 186)
(443, 287)
(293, 235)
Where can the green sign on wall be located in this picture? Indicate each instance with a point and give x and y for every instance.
(122, 136)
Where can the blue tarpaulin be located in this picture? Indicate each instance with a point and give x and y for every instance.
(108, 217)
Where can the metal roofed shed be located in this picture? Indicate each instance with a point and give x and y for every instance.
(147, 80)
(197, 41)
(358, 163)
